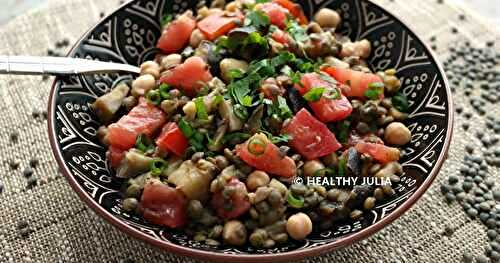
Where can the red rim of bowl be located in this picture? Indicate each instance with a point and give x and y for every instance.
(285, 256)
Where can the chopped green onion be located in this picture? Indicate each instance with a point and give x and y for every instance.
(375, 89)
(333, 94)
(280, 138)
(154, 97)
(240, 111)
(295, 202)
(157, 166)
(164, 91)
(246, 101)
(166, 19)
(186, 128)
(143, 143)
(201, 112)
(218, 99)
(342, 166)
(257, 146)
(314, 94)
(400, 102)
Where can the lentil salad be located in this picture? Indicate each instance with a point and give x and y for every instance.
(242, 98)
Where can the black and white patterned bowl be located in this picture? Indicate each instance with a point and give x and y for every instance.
(129, 34)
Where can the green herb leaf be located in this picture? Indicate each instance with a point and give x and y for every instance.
(164, 91)
(186, 128)
(297, 32)
(284, 111)
(235, 137)
(218, 99)
(262, 1)
(400, 102)
(236, 74)
(375, 89)
(314, 94)
(342, 130)
(240, 111)
(247, 101)
(258, 19)
(342, 166)
(144, 144)
(201, 112)
(167, 18)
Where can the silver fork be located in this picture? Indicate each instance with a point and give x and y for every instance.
(31, 65)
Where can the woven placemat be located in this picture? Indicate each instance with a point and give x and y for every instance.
(43, 220)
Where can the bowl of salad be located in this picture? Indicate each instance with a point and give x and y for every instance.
(257, 130)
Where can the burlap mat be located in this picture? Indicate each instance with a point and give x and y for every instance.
(48, 222)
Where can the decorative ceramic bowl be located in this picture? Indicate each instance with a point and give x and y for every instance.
(129, 34)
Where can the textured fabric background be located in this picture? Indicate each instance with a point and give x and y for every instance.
(60, 228)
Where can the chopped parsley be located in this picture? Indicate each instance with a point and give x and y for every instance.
(166, 19)
(375, 89)
(258, 19)
(201, 111)
(314, 94)
(297, 32)
(400, 102)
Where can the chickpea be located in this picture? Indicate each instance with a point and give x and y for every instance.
(362, 48)
(234, 233)
(169, 106)
(327, 17)
(299, 226)
(170, 61)
(347, 50)
(196, 38)
(228, 64)
(397, 133)
(130, 204)
(150, 67)
(257, 179)
(333, 61)
(312, 166)
(233, 6)
(190, 110)
(202, 12)
(142, 85)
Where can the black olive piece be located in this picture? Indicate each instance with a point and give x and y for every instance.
(295, 100)
(354, 161)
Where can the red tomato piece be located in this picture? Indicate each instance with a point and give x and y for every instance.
(264, 155)
(216, 25)
(280, 36)
(172, 139)
(277, 14)
(327, 110)
(310, 137)
(239, 201)
(163, 205)
(142, 119)
(115, 156)
(176, 34)
(190, 76)
(379, 152)
(295, 9)
(357, 80)
(354, 138)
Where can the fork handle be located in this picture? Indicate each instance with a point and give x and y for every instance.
(32, 65)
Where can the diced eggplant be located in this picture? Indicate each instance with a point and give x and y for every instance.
(227, 113)
(134, 163)
(295, 100)
(354, 161)
(108, 104)
(193, 179)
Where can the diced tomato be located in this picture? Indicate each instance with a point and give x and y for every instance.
(280, 36)
(295, 9)
(142, 119)
(172, 139)
(379, 152)
(177, 33)
(115, 156)
(357, 80)
(238, 201)
(327, 110)
(267, 158)
(190, 76)
(163, 205)
(277, 14)
(354, 138)
(216, 25)
(310, 137)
